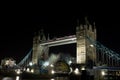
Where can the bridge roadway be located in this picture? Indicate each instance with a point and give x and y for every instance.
(60, 41)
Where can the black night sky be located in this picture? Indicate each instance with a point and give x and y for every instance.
(18, 26)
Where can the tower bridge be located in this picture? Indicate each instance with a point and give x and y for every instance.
(89, 52)
(85, 52)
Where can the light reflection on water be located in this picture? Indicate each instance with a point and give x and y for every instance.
(18, 78)
(11, 78)
(7, 78)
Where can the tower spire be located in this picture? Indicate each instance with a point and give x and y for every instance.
(94, 25)
(94, 28)
(48, 38)
(43, 35)
(86, 21)
(39, 35)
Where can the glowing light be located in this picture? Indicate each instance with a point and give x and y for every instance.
(18, 71)
(102, 72)
(53, 58)
(28, 69)
(52, 71)
(77, 71)
(51, 65)
(52, 79)
(30, 63)
(7, 62)
(83, 68)
(32, 70)
(17, 78)
(92, 45)
(70, 62)
(46, 63)
(10, 63)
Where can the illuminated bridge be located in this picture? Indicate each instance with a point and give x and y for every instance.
(60, 41)
(89, 52)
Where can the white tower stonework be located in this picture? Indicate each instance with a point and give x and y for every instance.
(86, 52)
(35, 45)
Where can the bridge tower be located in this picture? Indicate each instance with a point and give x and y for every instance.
(86, 52)
(38, 50)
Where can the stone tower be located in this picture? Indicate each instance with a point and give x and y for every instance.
(86, 52)
(36, 40)
(38, 50)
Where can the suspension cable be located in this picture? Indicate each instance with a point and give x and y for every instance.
(109, 53)
(25, 58)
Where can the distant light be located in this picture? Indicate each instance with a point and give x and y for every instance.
(102, 72)
(28, 69)
(83, 68)
(92, 45)
(52, 79)
(52, 71)
(18, 71)
(32, 70)
(70, 62)
(17, 77)
(77, 71)
(30, 63)
(46, 63)
(51, 65)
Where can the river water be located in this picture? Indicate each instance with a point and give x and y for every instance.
(54, 78)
